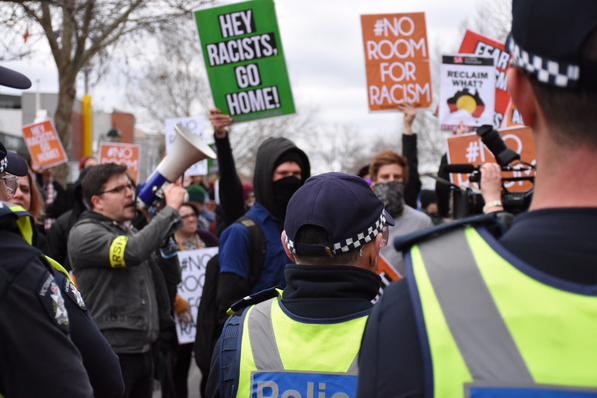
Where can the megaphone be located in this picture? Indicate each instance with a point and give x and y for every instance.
(186, 150)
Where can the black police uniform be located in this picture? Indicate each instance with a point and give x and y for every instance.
(37, 356)
(100, 361)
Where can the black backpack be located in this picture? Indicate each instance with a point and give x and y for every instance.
(208, 325)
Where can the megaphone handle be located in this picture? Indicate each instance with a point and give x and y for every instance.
(155, 182)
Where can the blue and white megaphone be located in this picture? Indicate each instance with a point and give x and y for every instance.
(186, 150)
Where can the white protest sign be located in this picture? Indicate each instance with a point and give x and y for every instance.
(199, 126)
(192, 264)
(467, 92)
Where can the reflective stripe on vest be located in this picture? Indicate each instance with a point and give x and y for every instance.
(491, 324)
(304, 355)
(23, 222)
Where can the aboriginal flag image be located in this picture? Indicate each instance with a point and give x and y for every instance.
(464, 100)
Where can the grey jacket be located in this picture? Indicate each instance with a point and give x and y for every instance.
(113, 272)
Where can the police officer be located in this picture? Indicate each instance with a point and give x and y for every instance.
(516, 316)
(37, 356)
(43, 313)
(304, 341)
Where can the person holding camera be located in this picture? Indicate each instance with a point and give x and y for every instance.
(480, 316)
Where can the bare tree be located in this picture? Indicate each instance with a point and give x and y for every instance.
(493, 19)
(339, 147)
(246, 137)
(170, 81)
(81, 31)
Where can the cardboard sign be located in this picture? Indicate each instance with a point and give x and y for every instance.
(242, 50)
(469, 149)
(192, 264)
(44, 145)
(125, 154)
(467, 91)
(513, 118)
(476, 44)
(200, 127)
(397, 60)
(386, 272)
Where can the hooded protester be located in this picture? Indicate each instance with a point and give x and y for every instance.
(280, 170)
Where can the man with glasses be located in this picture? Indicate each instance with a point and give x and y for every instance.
(115, 268)
(304, 341)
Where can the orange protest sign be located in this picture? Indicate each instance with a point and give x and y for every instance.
(125, 154)
(44, 145)
(387, 273)
(397, 60)
(469, 149)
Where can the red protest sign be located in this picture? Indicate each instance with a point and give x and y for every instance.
(44, 145)
(474, 43)
(397, 60)
(469, 149)
(125, 154)
(513, 118)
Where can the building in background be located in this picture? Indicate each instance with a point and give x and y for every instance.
(17, 111)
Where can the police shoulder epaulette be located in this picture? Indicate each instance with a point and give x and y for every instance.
(13, 211)
(253, 299)
(497, 222)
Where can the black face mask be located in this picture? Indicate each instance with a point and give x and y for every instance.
(283, 190)
(392, 195)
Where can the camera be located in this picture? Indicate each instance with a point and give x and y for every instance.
(467, 202)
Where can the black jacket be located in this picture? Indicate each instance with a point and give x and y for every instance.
(37, 354)
(232, 205)
(413, 186)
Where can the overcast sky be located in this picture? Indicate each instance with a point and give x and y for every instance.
(322, 41)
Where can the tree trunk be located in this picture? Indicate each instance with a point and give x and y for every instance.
(66, 98)
(67, 92)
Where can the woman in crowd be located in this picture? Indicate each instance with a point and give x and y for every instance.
(29, 197)
(188, 237)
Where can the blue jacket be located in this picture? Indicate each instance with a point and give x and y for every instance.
(235, 250)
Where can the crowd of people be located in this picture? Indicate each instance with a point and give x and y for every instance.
(293, 305)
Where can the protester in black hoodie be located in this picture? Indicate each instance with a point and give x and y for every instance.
(280, 169)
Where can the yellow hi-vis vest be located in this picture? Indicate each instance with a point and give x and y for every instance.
(282, 357)
(25, 225)
(496, 327)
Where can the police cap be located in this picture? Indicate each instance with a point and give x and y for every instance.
(341, 204)
(548, 39)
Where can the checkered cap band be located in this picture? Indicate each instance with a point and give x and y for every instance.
(352, 243)
(553, 73)
(3, 164)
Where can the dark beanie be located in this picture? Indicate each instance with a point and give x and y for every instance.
(291, 155)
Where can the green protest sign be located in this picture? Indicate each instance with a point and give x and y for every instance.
(242, 50)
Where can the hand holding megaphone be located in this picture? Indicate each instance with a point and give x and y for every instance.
(186, 150)
(175, 195)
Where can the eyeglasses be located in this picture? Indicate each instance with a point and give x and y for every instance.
(190, 215)
(11, 183)
(119, 189)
